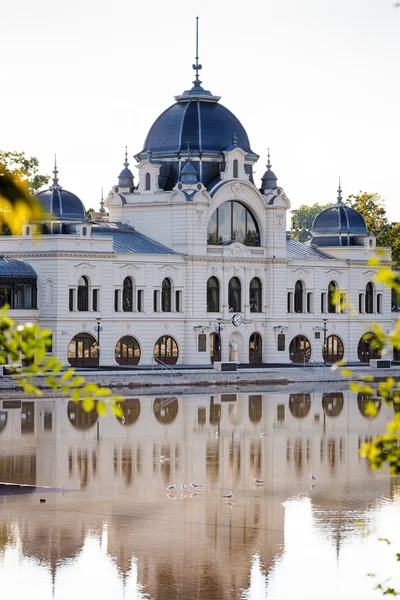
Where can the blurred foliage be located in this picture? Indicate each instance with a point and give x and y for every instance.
(22, 170)
(17, 205)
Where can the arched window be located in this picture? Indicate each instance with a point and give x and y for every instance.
(332, 297)
(334, 349)
(212, 295)
(235, 295)
(131, 409)
(166, 350)
(83, 293)
(332, 404)
(396, 298)
(364, 404)
(83, 351)
(80, 418)
(232, 221)
(368, 347)
(148, 182)
(255, 408)
(299, 405)
(165, 410)
(127, 351)
(298, 297)
(127, 295)
(235, 169)
(255, 349)
(166, 295)
(255, 295)
(369, 298)
(300, 349)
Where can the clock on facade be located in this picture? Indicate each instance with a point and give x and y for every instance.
(236, 320)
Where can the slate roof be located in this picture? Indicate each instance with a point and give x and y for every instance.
(12, 267)
(127, 240)
(297, 249)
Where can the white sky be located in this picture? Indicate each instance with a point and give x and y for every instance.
(315, 80)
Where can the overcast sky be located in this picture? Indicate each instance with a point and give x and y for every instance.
(317, 81)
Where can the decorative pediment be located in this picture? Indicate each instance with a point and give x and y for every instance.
(84, 269)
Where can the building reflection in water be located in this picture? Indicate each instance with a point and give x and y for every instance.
(187, 545)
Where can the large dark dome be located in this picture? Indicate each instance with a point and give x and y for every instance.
(207, 126)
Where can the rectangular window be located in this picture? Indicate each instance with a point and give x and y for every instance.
(309, 302)
(178, 306)
(140, 301)
(280, 413)
(5, 296)
(379, 303)
(289, 302)
(95, 305)
(360, 303)
(202, 343)
(49, 347)
(281, 342)
(71, 299)
(48, 421)
(155, 301)
(323, 302)
(317, 335)
(116, 292)
(201, 416)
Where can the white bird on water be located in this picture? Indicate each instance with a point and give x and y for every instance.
(228, 496)
(258, 481)
(172, 486)
(195, 485)
(62, 488)
(183, 486)
(313, 477)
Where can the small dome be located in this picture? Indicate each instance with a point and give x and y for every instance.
(189, 174)
(339, 225)
(125, 178)
(61, 204)
(269, 180)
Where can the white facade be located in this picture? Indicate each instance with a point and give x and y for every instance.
(179, 219)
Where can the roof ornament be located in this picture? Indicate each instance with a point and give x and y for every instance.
(269, 161)
(126, 163)
(149, 154)
(197, 67)
(234, 140)
(102, 209)
(188, 152)
(339, 198)
(55, 185)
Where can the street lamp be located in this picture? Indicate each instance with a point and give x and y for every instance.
(324, 349)
(219, 321)
(98, 321)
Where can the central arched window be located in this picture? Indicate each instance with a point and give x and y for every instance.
(212, 295)
(255, 295)
(233, 222)
(235, 295)
(83, 293)
(332, 297)
(127, 295)
(369, 298)
(148, 182)
(298, 297)
(166, 350)
(166, 295)
(127, 351)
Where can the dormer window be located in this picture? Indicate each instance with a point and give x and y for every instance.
(235, 169)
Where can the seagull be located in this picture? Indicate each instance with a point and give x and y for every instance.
(258, 481)
(62, 487)
(228, 496)
(195, 485)
(183, 486)
(262, 434)
(171, 487)
(313, 477)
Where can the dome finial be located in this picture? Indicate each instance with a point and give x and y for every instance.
(234, 139)
(102, 209)
(126, 163)
(269, 161)
(55, 185)
(197, 67)
(149, 154)
(188, 152)
(339, 198)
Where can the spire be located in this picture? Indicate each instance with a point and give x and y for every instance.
(197, 67)
(149, 154)
(188, 174)
(56, 185)
(234, 140)
(126, 163)
(269, 161)
(102, 209)
(125, 178)
(188, 152)
(339, 198)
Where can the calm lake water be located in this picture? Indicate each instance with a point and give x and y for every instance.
(115, 532)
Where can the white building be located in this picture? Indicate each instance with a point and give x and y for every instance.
(194, 263)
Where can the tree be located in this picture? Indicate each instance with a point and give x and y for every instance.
(303, 218)
(22, 169)
(89, 213)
